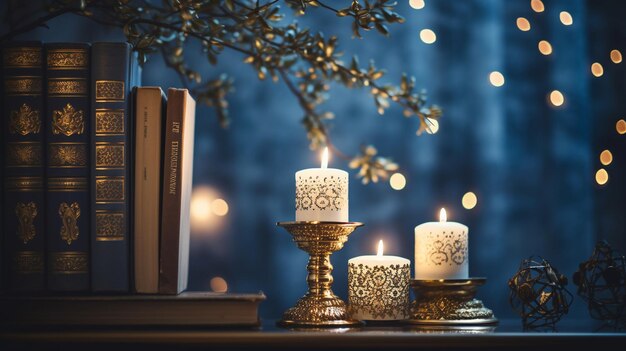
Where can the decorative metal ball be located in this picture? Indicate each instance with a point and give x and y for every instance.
(538, 293)
(601, 282)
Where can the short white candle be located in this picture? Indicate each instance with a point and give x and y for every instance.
(441, 250)
(378, 287)
(322, 193)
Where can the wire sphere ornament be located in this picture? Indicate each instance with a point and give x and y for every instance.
(538, 293)
(601, 282)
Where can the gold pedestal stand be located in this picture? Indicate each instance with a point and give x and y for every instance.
(449, 302)
(320, 307)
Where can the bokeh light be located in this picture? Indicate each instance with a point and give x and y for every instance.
(566, 18)
(206, 209)
(545, 47)
(219, 285)
(606, 157)
(537, 5)
(428, 36)
(523, 24)
(496, 78)
(620, 126)
(397, 181)
(602, 177)
(616, 56)
(556, 98)
(596, 69)
(417, 4)
(433, 126)
(219, 207)
(469, 200)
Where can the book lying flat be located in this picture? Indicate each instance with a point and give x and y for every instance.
(187, 309)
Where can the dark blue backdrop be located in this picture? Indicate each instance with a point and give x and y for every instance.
(531, 165)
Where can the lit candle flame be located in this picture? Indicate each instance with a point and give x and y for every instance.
(325, 158)
(442, 215)
(380, 248)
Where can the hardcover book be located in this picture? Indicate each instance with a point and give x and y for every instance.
(114, 71)
(200, 309)
(176, 191)
(149, 120)
(67, 172)
(23, 204)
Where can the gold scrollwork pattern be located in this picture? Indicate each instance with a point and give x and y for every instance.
(69, 221)
(69, 262)
(24, 154)
(109, 189)
(67, 155)
(67, 184)
(109, 122)
(110, 226)
(68, 121)
(67, 59)
(26, 214)
(378, 292)
(25, 262)
(109, 155)
(22, 85)
(23, 183)
(24, 121)
(22, 57)
(109, 90)
(321, 193)
(67, 86)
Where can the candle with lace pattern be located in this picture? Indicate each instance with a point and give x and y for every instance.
(322, 193)
(378, 287)
(441, 250)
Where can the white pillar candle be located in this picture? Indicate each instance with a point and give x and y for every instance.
(441, 250)
(378, 287)
(322, 193)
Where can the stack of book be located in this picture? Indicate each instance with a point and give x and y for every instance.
(95, 196)
(91, 160)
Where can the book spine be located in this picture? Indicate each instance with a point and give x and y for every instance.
(23, 203)
(111, 75)
(67, 166)
(171, 194)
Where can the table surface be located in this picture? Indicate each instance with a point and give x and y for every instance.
(508, 334)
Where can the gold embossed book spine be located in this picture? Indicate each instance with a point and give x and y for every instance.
(114, 71)
(22, 139)
(68, 200)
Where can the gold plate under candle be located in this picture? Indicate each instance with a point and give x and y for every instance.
(320, 307)
(449, 302)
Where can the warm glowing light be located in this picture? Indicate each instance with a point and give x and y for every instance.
(219, 207)
(620, 126)
(616, 56)
(523, 24)
(469, 200)
(442, 215)
(219, 285)
(496, 78)
(556, 98)
(428, 36)
(417, 4)
(606, 157)
(566, 18)
(397, 181)
(379, 252)
(537, 5)
(596, 69)
(602, 176)
(545, 47)
(325, 158)
(432, 126)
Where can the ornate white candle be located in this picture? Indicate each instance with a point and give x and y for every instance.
(378, 287)
(322, 193)
(441, 250)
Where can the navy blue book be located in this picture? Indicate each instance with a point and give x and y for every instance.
(114, 72)
(67, 166)
(22, 139)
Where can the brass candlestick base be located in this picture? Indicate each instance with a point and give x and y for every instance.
(320, 307)
(449, 302)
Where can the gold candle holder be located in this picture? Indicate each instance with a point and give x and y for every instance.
(320, 307)
(449, 302)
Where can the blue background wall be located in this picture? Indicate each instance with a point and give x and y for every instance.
(531, 165)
